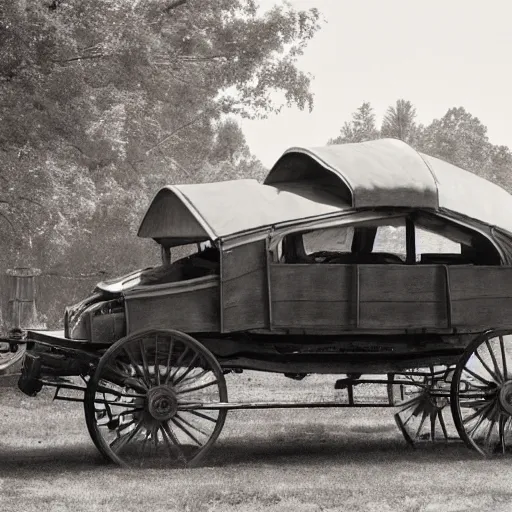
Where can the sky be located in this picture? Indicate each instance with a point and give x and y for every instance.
(437, 54)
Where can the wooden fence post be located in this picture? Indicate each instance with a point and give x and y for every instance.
(22, 312)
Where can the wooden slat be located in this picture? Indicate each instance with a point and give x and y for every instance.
(240, 260)
(475, 281)
(311, 282)
(193, 311)
(392, 283)
(244, 301)
(482, 312)
(402, 315)
(481, 296)
(311, 314)
(244, 287)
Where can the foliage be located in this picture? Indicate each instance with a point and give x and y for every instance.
(458, 137)
(104, 101)
(361, 128)
(398, 122)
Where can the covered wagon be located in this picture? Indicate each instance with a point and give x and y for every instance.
(358, 261)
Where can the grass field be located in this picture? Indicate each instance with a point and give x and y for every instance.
(280, 460)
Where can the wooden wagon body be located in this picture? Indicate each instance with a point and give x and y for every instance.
(365, 258)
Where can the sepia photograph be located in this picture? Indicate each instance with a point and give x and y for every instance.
(256, 256)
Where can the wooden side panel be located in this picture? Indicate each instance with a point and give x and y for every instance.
(312, 296)
(481, 296)
(402, 297)
(244, 287)
(183, 307)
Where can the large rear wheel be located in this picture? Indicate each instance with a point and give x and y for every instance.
(151, 401)
(481, 393)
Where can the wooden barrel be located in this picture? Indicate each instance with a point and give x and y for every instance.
(22, 312)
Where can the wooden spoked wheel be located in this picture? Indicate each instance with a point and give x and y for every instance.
(481, 394)
(8, 359)
(422, 397)
(151, 400)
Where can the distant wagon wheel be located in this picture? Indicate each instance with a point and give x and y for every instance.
(481, 394)
(151, 400)
(422, 397)
(9, 358)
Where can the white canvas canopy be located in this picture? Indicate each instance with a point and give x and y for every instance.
(318, 182)
(215, 210)
(388, 172)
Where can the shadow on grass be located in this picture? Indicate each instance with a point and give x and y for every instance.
(339, 451)
(233, 452)
(49, 460)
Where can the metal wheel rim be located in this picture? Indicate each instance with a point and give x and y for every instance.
(483, 398)
(165, 433)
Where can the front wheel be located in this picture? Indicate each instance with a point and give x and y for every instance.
(151, 400)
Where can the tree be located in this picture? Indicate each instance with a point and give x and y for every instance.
(459, 138)
(229, 144)
(399, 122)
(113, 97)
(361, 128)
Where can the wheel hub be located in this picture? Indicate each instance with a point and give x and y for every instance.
(162, 403)
(505, 397)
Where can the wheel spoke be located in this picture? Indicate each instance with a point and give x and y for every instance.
(106, 390)
(476, 376)
(145, 367)
(200, 415)
(196, 376)
(178, 363)
(487, 441)
(166, 429)
(484, 364)
(433, 418)
(503, 358)
(473, 404)
(197, 388)
(503, 421)
(423, 418)
(478, 412)
(182, 419)
(169, 366)
(407, 405)
(126, 380)
(494, 361)
(177, 422)
(116, 404)
(188, 370)
(442, 423)
(121, 441)
(157, 364)
(136, 367)
(475, 427)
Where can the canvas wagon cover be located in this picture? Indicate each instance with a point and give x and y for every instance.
(388, 172)
(308, 183)
(216, 210)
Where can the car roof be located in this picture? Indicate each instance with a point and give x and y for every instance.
(312, 183)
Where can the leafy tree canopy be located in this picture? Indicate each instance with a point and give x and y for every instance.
(458, 137)
(103, 101)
